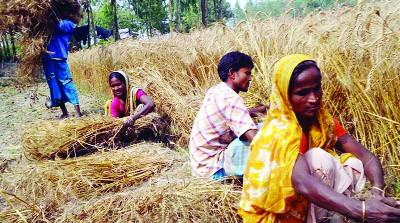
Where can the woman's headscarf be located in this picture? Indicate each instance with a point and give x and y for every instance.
(268, 194)
(131, 91)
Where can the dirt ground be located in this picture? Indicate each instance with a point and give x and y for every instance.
(21, 106)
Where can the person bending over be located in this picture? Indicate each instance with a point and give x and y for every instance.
(293, 173)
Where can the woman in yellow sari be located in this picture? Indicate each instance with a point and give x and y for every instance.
(293, 174)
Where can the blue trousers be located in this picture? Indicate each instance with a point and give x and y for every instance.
(58, 77)
(234, 161)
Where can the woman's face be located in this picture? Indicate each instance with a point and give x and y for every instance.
(307, 93)
(118, 87)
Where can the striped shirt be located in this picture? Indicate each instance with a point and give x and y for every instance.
(222, 117)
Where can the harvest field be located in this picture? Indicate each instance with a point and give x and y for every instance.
(357, 49)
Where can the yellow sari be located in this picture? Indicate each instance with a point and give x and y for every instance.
(131, 104)
(268, 194)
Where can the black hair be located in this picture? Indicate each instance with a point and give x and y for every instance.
(71, 10)
(117, 75)
(233, 60)
(299, 69)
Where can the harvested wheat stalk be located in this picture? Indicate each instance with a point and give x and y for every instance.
(75, 137)
(44, 186)
(180, 200)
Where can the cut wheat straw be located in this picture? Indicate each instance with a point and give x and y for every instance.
(43, 187)
(186, 201)
(75, 137)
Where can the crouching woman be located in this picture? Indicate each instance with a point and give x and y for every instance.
(293, 174)
(129, 101)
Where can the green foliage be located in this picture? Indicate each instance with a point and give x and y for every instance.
(187, 13)
(396, 187)
(103, 17)
(275, 8)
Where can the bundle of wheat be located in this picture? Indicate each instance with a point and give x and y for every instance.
(75, 137)
(178, 200)
(44, 187)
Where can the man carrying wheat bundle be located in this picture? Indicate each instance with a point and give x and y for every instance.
(56, 69)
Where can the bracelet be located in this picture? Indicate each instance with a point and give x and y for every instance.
(363, 211)
(377, 188)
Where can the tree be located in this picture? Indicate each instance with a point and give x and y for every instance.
(170, 16)
(7, 46)
(92, 22)
(14, 50)
(1, 51)
(178, 15)
(151, 15)
(218, 9)
(3, 46)
(114, 7)
(203, 12)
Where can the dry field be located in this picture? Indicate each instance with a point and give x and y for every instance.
(356, 48)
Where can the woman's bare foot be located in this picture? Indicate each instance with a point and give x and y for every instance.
(78, 115)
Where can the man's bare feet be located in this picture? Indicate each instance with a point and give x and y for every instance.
(63, 116)
(78, 111)
(47, 103)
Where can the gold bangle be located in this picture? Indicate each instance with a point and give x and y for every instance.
(377, 188)
(363, 211)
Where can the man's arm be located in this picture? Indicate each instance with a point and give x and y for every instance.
(258, 110)
(248, 135)
(65, 26)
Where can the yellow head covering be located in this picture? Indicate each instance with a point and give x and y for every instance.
(268, 194)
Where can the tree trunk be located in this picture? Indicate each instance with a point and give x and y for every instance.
(88, 36)
(220, 9)
(215, 10)
(203, 12)
(150, 18)
(178, 15)
(138, 13)
(114, 7)
(130, 3)
(7, 46)
(171, 29)
(13, 45)
(1, 51)
(2, 48)
(92, 23)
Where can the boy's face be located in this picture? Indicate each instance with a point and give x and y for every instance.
(241, 79)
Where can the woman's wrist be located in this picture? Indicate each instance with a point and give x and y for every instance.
(378, 190)
(363, 204)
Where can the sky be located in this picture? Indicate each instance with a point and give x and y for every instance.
(233, 2)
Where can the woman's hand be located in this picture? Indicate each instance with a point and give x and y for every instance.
(381, 209)
(129, 122)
